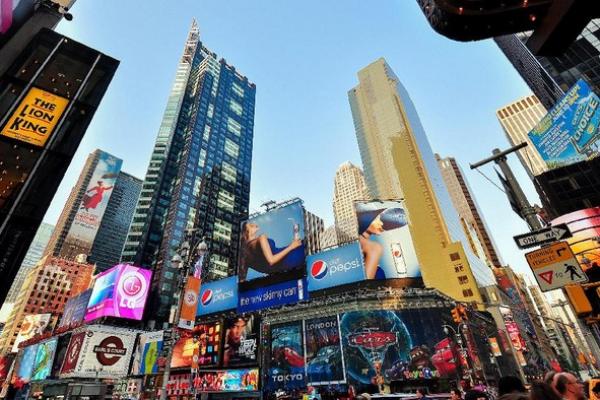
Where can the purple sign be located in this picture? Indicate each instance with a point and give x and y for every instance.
(119, 292)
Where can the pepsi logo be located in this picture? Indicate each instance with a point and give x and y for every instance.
(318, 270)
(207, 297)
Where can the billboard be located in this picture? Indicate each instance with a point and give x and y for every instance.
(236, 380)
(323, 356)
(189, 305)
(119, 292)
(26, 362)
(43, 359)
(61, 352)
(272, 296)
(150, 345)
(272, 243)
(218, 296)
(6, 363)
(33, 325)
(385, 240)
(72, 354)
(240, 344)
(335, 267)
(287, 357)
(569, 132)
(585, 227)
(87, 220)
(75, 309)
(204, 342)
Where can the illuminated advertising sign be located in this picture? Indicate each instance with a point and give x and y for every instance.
(75, 309)
(569, 132)
(240, 345)
(33, 325)
(43, 359)
(272, 296)
(272, 243)
(189, 305)
(233, 380)
(61, 351)
(87, 220)
(119, 292)
(287, 358)
(26, 362)
(323, 356)
(385, 240)
(218, 296)
(36, 117)
(203, 341)
(150, 345)
(585, 227)
(335, 267)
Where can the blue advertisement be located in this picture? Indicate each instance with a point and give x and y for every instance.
(218, 296)
(287, 357)
(335, 267)
(324, 360)
(43, 359)
(385, 240)
(75, 309)
(272, 243)
(569, 132)
(26, 362)
(272, 296)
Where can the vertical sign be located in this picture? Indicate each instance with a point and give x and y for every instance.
(189, 304)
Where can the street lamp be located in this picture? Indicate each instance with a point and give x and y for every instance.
(459, 341)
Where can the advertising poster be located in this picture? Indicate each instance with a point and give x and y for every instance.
(72, 354)
(26, 362)
(272, 243)
(36, 117)
(495, 347)
(381, 346)
(61, 352)
(287, 367)
(238, 380)
(6, 363)
(585, 227)
(75, 309)
(33, 325)
(87, 220)
(272, 296)
(385, 240)
(206, 346)
(335, 267)
(119, 292)
(189, 306)
(240, 344)
(150, 345)
(218, 296)
(323, 355)
(569, 132)
(43, 359)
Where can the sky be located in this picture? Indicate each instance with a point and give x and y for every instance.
(303, 57)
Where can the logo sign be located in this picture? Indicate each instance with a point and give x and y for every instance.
(555, 266)
(36, 117)
(544, 236)
(190, 303)
(218, 296)
(335, 267)
(372, 340)
(73, 351)
(110, 350)
(272, 296)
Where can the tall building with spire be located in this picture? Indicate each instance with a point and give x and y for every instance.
(348, 186)
(399, 164)
(199, 173)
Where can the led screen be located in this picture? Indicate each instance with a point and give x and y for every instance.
(204, 340)
(75, 309)
(324, 360)
(335, 267)
(43, 359)
(149, 348)
(240, 344)
(287, 358)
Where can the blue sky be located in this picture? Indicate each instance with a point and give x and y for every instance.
(303, 57)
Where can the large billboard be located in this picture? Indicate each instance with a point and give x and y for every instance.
(235, 380)
(149, 348)
(72, 354)
(33, 325)
(43, 359)
(323, 355)
(276, 295)
(119, 292)
(75, 309)
(26, 362)
(272, 243)
(218, 296)
(87, 220)
(241, 341)
(585, 227)
(202, 343)
(385, 240)
(569, 132)
(287, 357)
(335, 267)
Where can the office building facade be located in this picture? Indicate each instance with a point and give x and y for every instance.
(348, 186)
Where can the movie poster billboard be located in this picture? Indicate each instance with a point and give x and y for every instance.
(87, 220)
(119, 292)
(33, 325)
(43, 359)
(145, 360)
(240, 344)
(61, 352)
(75, 309)
(203, 341)
(287, 368)
(569, 132)
(26, 362)
(272, 243)
(385, 240)
(218, 296)
(335, 267)
(323, 352)
(237, 380)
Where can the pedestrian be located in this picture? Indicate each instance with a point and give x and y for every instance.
(476, 395)
(455, 394)
(569, 387)
(510, 384)
(421, 394)
(543, 391)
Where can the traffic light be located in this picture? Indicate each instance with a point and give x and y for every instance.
(456, 315)
(459, 314)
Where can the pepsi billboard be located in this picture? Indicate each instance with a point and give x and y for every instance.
(279, 294)
(335, 267)
(218, 296)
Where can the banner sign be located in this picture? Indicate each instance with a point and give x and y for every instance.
(323, 355)
(72, 355)
(75, 309)
(287, 358)
(240, 345)
(189, 306)
(36, 117)
(335, 267)
(43, 359)
(495, 347)
(33, 325)
(217, 296)
(150, 345)
(272, 296)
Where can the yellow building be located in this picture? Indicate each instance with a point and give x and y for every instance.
(398, 163)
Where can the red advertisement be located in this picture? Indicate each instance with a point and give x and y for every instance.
(73, 353)
(189, 306)
(515, 336)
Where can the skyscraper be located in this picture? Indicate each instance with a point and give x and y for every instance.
(399, 163)
(468, 211)
(517, 120)
(348, 186)
(199, 172)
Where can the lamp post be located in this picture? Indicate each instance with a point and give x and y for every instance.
(459, 341)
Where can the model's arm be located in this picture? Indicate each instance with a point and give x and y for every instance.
(275, 258)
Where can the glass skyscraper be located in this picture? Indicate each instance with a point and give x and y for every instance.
(199, 172)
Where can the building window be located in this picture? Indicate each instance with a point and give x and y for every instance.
(237, 89)
(233, 126)
(235, 107)
(231, 148)
(228, 172)
(454, 256)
